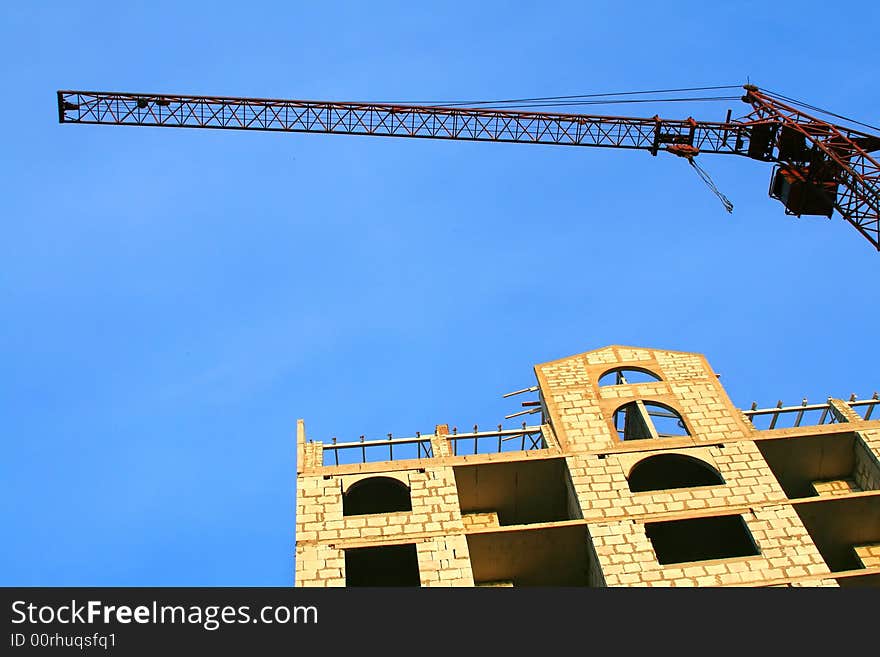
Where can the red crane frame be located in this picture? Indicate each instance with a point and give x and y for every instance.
(820, 166)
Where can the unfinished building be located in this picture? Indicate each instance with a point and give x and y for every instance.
(641, 473)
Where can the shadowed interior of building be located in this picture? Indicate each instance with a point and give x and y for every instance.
(643, 420)
(664, 471)
(700, 539)
(551, 556)
(387, 565)
(376, 495)
(800, 463)
(521, 492)
(839, 525)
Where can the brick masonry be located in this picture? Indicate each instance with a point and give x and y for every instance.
(869, 555)
(627, 557)
(480, 520)
(444, 561)
(867, 469)
(836, 487)
(435, 511)
(578, 416)
(603, 490)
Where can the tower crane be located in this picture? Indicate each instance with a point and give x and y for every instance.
(818, 166)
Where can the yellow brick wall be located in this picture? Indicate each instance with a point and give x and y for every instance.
(319, 565)
(570, 398)
(445, 561)
(627, 556)
(581, 411)
(869, 555)
(827, 583)
(867, 468)
(434, 524)
(318, 501)
(435, 510)
(580, 428)
(595, 576)
(834, 487)
(603, 491)
(480, 520)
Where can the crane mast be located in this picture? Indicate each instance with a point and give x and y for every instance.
(820, 167)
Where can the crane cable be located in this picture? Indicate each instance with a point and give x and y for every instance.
(613, 99)
(577, 97)
(796, 102)
(584, 103)
(704, 176)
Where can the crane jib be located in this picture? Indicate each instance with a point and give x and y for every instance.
(820, 167)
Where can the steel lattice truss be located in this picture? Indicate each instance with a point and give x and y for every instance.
(858, 173)
(842, 156)
(395, 121)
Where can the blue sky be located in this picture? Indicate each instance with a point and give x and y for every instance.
(172, 301)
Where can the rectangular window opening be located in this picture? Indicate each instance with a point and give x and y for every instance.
(386, 565)
(701, 539)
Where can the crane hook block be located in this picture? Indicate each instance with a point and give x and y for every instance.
(683, 150)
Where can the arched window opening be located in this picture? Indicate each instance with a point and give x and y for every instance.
(640, 420)
(622, 375)
(388, 565)
(664, 471)
(667, 421)
(701, 539)
(376, 495)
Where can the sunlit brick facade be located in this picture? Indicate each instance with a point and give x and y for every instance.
(641, 473)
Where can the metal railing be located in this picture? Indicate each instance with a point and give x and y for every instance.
(784, 417)
(793, 416)
(492, 442)
(523, 439)
(867, 404)
(370, 451)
